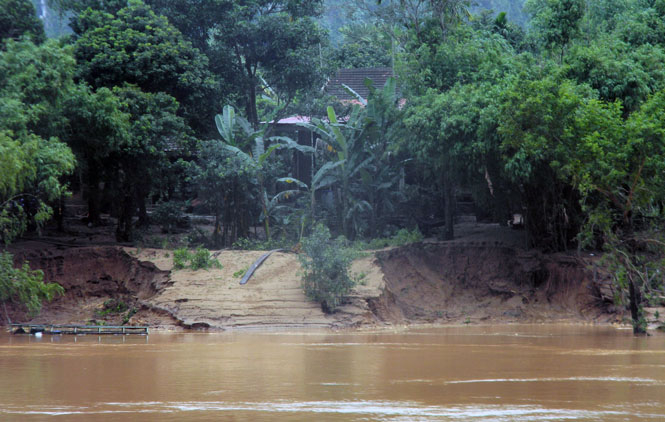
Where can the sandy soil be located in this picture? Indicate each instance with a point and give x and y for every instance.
(272, 298)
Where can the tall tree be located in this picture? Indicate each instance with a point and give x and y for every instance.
(196, 19)
(618, 165)
(275, 45)
(416, 15)
(617, 70)
(157, 136)
(455, 143)
(226, 182)
(34, 83)
(136, 46)
(538, 110)
(362, 45)
(643, 23)
(556, 22)
(32, 159)
(97, 127)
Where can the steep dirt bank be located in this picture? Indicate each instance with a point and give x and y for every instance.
(421, 283)
(471, 283)
(91, 277)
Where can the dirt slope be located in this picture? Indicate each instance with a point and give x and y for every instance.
(272, 298)
(440, 282)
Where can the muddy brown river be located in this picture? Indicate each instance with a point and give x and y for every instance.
(474, 373)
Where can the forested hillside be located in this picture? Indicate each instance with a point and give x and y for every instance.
(172, 104)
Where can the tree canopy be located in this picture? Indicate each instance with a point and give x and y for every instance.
(18, 18)
(33, 82)
(134, 45)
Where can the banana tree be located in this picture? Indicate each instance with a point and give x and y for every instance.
(383, 181)
(324, 177)
(344, 143)
(237, 132)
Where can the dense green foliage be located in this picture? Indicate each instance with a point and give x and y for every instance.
(34, 82)
(556, 22)
(33, 86)
(362, 45)
(254, 45)
(136, 46)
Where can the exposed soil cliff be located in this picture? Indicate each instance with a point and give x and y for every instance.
(422, 283)
(91, 276)
(470, 283)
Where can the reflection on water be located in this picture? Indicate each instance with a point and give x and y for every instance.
(492, 373)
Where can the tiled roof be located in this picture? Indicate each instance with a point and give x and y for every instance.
(355, 79)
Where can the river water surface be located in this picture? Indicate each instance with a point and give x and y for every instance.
(475, 373)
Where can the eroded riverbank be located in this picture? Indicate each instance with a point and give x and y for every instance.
(434, 282)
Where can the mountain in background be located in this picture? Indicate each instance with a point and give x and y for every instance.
(513, 8)
(339, 13)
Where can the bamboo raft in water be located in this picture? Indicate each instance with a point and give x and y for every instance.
(77, 329)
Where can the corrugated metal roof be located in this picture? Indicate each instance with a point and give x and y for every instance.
(294, 120)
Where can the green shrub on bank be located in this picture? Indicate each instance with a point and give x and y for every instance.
(400, 238)
(180, 258)
(25, 286)
(200, 259)
(325, 265)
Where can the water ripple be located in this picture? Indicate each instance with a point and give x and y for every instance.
(392, 411)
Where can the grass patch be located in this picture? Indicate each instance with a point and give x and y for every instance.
(240, 273)
(111, 307)
(197, 260)
(400, 238)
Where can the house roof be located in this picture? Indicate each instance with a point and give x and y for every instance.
(294, 120)
(355, 79)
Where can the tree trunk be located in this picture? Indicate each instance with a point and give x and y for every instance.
(266, 217)
(341, 226)
(252, 114)
(312, 204)
(634, 287)
(126, 214)
(636, 312)
(93, 193)
(449, 208)
(59, 213)
(216, 233)
(227, 219)
(143, 212)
